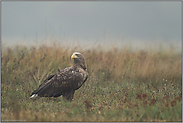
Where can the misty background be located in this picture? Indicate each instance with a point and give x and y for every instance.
(111, 23)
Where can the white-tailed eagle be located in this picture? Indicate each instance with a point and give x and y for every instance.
(65, 81)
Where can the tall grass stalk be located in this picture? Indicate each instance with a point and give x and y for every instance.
(123, 85)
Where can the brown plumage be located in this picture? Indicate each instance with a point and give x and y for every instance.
(65, 81)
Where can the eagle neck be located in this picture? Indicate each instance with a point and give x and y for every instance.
(77, 66)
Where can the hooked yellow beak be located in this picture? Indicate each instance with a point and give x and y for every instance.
(73, 56)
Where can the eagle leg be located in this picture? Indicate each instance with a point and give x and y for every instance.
(68, 95)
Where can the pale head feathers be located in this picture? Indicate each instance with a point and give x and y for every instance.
(79, 60)
(76, 53)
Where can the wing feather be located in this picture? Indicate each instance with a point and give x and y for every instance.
(61, 82)
(44, 85)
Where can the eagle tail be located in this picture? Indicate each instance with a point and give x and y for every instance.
(34, 96)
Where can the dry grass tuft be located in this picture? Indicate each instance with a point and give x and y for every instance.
(123, 85)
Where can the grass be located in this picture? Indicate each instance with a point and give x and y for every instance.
(123, 85)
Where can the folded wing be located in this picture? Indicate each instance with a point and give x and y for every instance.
(63, 83)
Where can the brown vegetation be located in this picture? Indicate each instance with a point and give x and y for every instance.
(123, 85)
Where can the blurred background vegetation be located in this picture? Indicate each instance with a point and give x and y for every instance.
(123, 84)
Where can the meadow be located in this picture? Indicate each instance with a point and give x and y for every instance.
(123, 84)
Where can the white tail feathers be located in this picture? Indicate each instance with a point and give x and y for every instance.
(34, 96)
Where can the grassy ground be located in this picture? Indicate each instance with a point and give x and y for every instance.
(123, 85)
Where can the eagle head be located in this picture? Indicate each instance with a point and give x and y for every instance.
(79, 60)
